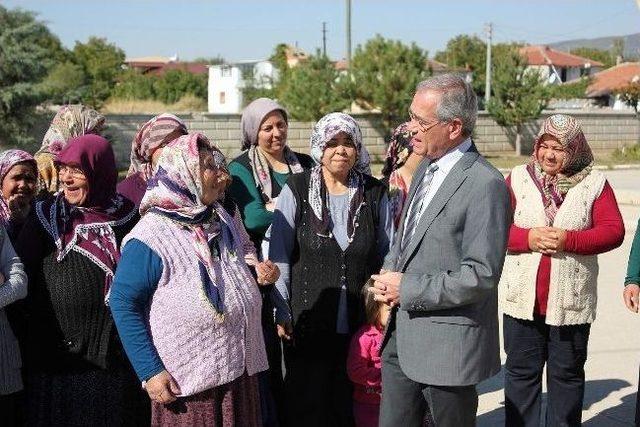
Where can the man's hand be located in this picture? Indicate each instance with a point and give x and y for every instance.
(285, 330)
(630, 296)
(162, 388)
(386, 287)
(267, 272)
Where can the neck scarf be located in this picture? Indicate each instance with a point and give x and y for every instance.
(174, 193)
(252, 118)
(327, 128)
(69, 122)
(87, 229)
(577, 165)
(8, 159)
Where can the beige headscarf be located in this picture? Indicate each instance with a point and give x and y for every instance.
(70, 122)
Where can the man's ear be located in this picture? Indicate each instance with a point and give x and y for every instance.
(455, 129)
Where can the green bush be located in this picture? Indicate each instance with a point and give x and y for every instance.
(570, 90)
(135, 85)
(174, 84)
(627, 153)
(168, 88)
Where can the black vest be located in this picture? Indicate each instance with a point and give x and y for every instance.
(319, 266)
(243, 159)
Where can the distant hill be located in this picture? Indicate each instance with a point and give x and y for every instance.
(631, 44)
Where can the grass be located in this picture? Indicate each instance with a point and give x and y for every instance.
(188, 103)
(627, 154)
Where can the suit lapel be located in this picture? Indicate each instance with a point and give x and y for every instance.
(449, 186)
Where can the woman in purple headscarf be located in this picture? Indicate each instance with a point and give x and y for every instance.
(18, 178)
(77, 372)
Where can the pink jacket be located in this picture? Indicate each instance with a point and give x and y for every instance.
(364, 364)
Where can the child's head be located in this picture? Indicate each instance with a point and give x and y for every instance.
(376, 312)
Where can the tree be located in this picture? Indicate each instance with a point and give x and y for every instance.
(467, 52)
(384, 76)
(27, 51)
(102, 62)
(312, 89)
(519, 95)
(604, 56)
(66, 83)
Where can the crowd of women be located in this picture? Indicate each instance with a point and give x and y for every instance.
(199, 293)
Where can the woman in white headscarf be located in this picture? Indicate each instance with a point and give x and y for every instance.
(328, 237)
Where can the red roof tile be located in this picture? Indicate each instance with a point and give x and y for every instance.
(544, 55)
(613, 78)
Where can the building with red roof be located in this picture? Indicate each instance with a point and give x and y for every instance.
(557, 66)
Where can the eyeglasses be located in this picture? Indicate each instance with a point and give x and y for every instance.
(71, 170)
(424, 125)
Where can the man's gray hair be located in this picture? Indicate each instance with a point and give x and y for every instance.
(458, 100)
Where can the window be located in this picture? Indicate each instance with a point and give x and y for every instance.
(222, 97)
(225, 71)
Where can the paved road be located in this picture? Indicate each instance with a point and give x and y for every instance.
(614, 346)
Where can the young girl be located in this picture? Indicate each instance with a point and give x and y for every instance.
(363, 362)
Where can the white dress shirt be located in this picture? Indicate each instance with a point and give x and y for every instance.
(445, 164)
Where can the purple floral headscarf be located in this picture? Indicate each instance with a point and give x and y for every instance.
(174, 192)
(8, 159)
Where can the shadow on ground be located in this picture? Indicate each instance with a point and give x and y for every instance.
(595, 391)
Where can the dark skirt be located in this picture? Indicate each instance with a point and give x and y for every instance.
(235, 404)
(89, 396)
(318, 392)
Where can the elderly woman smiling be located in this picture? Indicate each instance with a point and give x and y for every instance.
(328, 237)
(565, 214)
(186, 304)
(76, 369)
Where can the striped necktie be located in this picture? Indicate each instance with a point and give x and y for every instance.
(413, 213)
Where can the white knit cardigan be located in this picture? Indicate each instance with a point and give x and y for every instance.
(572, 287)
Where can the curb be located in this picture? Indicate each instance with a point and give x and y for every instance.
(628, 197)
(630, 166)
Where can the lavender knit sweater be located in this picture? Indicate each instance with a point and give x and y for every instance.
(196, 350)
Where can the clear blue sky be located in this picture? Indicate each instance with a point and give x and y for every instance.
(239, 30)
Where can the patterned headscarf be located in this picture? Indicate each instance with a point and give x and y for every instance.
(69, 122)
(155, 133)
(327, 128)
(8, 159)
(174, 192)
(87, 229)
(398, 152)
(252, 117)
(577, 164)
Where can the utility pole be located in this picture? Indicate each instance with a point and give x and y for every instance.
(324, 39)
(348, 35)
(487, 86)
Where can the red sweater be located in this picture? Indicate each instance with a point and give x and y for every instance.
(605, 234)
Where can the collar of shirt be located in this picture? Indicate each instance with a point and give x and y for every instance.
(451, 157)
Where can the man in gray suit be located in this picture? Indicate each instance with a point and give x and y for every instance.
(442, 272)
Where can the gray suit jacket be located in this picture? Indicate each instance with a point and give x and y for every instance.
(447, 324)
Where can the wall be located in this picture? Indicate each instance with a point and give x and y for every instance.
(605, 131)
